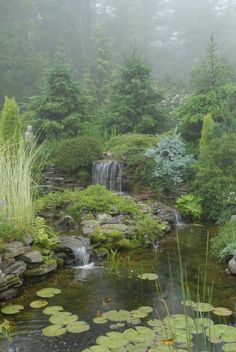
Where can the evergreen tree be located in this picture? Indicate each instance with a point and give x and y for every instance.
(207, 127)
(135, 103)
(11, 122)
(61, 105)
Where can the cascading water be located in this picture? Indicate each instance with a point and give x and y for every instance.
(109, 174)
(81, 256)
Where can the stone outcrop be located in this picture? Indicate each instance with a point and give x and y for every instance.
(232, 265)
(20, 261)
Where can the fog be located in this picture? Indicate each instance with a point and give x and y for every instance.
(171, 34)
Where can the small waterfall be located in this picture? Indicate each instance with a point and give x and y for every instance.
(81, 256)
(109, 174)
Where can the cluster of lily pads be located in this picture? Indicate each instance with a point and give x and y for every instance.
(61, 321)
(174, 333)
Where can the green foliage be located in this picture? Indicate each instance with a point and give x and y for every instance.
(8, 231)
(94, 199)
(43, 235)
(190, 205)
(215, 181)
(135, 103)
(171, 158)
(223, 245)
(206, 133)
(61, 104)
(148, 229)
(10, 122)
(6, 330)
(76, 153)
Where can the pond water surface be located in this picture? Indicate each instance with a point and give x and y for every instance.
(87, 292)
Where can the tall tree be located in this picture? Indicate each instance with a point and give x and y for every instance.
(135, 102)
(10, 122)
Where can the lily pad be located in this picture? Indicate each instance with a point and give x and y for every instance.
(100, 320)
(229, 347)
(134, 321)
(148, 276)
(221, 311)
(136, 313)
(155, 323)
(188, 303)
(38, 304)
(146, 309)
(52, 310)
(112, 340)
(221, 333)
(12, 309)
(48, 292)
(178, 321)
(203, 307)
(78, 327)
(96, 349)
(53, 331)
(202, 323)
(62, 319)
(114, 315)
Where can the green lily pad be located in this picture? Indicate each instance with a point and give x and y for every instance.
(12, 309)
(221, 311)
(203, 323)
(178, 321)
(53, 331)
(112, 340)
(155, 323)
(114, 315)
(147, 333)
(38, 304)
(48, 292)
(148, 276)
(136, 313)
(97, 349)
(137, 347)
(52, 310)
(146, 309)
(203, 307)
(133, 336)
(229, 347)
(221, 333)
(100, 320)
(134, 321)
(78, 327)
(188, 303)
(62, 319)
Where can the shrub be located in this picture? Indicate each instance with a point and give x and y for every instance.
(190, 205)
(43, 235)
(94, 199)
(11, 122)
(148, 229)
(76, 153)
(224, 244)
(171, 158)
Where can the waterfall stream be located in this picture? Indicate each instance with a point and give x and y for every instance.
(109, 174)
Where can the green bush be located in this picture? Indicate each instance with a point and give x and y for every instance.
(94, 199)
(9, 231)
(43, 235)
(76, 153)
(190, 205)
(224, 244)
(148, 229)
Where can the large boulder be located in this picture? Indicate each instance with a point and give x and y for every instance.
(14, 249)
(41, 270)
(232, 265)
(17, 268)
(32, 257)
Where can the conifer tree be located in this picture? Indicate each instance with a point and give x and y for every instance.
(11, 122)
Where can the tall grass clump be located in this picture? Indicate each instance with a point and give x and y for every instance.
(18, 174)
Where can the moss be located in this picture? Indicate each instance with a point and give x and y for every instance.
(115, 235)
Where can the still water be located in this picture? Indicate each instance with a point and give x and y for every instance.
(94, 289)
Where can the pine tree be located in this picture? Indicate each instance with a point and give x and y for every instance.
(135, 103)
(11, 122)
(207, 127)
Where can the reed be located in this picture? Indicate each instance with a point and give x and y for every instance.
(18, 175)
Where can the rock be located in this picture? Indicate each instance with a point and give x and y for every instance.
(102, 217)
(17, 268)
(164, 212)
(232, 265)
(6, 263)
(113, 220)
(89, 223)
(28, 239)
(9, 281)
(43, 269)
(115, 227)
(32, 257)
(233, 218)
(14, 249)
(8, 294)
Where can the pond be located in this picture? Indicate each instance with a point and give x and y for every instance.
(87, 292)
